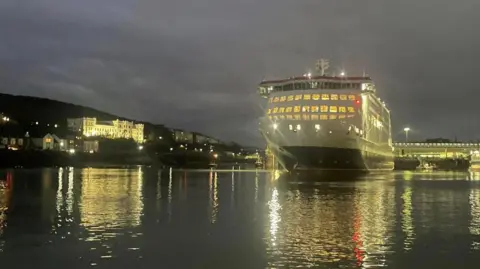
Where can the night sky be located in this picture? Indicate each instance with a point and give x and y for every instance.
(195, 64)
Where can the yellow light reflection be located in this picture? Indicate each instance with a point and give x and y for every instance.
(110, 199)
(474, 226)
(70, 192)
(213, 195)
(407, 220)
(59, 190)
(376, 206)
(274, 208)
(170, 186)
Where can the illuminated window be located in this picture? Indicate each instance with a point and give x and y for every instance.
(270, 99)
(325, 97)
(334, 97)
(314, 117)
(275, 110)
(341, 116)
(296, 109)
(281, 110)
(270, 117)
(298, 97)
(297, 116)
(342, 109)
(306, 117)
(343, 97)
(282, 117)
(333, 117)
(276, 99)
(306, 97)
(333, 109)
(290, 117)
(289, 109)
(283, 99)
(351, 109)
(48, 140)
(316, 97)
(290, 98)
(323, 108)
(269, 111)
(314, 109)
(306, 109)
(350, 116)
(351, 97)
(324, 117)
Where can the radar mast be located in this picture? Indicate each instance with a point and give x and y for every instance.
(321, 66)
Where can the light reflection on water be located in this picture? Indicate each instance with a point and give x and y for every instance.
(233, 219)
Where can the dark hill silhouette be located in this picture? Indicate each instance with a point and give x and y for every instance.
(27, 110)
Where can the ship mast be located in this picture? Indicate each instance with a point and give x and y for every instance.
(322, 65)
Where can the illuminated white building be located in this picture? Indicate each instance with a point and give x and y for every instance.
(110, 129)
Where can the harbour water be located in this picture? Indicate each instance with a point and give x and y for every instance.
(144, 218)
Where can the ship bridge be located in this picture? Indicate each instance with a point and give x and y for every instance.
(435, 150)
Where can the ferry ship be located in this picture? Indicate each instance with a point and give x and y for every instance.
(328, 122)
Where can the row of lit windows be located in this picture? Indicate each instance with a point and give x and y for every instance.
(315, 97)
(313, 109)
(310, 117)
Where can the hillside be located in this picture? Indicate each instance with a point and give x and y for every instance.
(27, 110)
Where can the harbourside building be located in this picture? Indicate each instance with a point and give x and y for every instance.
(116, 129)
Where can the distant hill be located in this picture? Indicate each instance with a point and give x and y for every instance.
(27, 110)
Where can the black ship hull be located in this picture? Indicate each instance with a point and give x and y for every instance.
(324, 158)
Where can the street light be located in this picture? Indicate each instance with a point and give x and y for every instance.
(406, 130)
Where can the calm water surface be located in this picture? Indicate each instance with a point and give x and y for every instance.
(120, 218)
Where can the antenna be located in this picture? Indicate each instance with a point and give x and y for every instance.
(322, 65)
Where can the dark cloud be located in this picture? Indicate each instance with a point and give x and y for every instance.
(195, 63)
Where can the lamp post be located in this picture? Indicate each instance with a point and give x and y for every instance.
(406, 129)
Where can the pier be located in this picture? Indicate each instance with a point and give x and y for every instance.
(444, 156)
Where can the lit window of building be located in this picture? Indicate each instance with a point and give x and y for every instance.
(341, 116)
(275, 110)
(282, 117)
(298, 97)
(334, 97)
(269, 111)
(306, 117)
(342, 109)
(316, 97)
(289, 109)
(351, 109)
(333, 117)
(333, 109)
(343, 97)
(306, 97)
(290, 98)
(281, 110)
(323, 108)
(283, 99)
(314, 117)
(276, 99)
(306, 109)
(297, 117)
(351, 97)
(296, 109)
(289, 117)
(314, 109)
(325, 97)
(323, 117)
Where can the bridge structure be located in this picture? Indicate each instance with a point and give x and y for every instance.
(435, 150)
